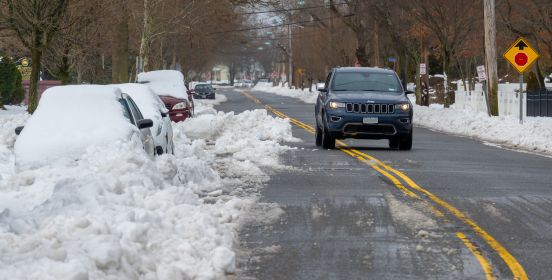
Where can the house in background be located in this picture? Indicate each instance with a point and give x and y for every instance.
(220, 74)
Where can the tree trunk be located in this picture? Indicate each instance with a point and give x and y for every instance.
(36, 55)
(361, 52)
(490, 55)
(120, 51)
(377, 62)
(145, 42)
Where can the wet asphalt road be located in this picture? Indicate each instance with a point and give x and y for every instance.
(344, 220)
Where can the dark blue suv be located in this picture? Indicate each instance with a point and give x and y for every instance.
(363, 103)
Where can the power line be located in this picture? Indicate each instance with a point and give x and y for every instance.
(287, 10)
(272, 26)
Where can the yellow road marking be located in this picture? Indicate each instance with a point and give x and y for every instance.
(487, 269)
(515, 267)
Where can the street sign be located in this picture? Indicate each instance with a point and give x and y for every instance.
(423, 69)
(481, 74)
(521, 55)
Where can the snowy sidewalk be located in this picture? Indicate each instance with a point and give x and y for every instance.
(534, 135)
(117, 214)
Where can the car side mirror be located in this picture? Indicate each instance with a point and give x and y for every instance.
(18, 130)
(407, 92)
(145, 123)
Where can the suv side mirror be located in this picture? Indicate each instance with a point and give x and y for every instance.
(321, 87)
(145, 123)
(18, 130)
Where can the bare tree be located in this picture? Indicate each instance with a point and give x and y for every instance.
(35, 23)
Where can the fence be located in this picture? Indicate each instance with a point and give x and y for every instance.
(508, 100)
(539, 103)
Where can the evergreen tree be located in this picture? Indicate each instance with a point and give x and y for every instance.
(19, 93)
(8, 78)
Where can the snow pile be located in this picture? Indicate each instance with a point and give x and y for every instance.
(205, 106)
(10, 118)
(304, 95)
(534, 135)
(68, 120)
(165, 83)
(117, 214)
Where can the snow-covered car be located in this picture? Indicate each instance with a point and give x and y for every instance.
(70, 119)
(169, 86)
(247, 84)
(152, 107)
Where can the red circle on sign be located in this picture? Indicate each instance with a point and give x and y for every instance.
(521, 59)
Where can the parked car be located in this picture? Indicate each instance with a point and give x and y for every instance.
(152, 107)
(363, 103)
(169, 86)
(204, 91)
(247, 84)
(69, 119)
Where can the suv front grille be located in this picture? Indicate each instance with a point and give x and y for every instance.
(370, 108)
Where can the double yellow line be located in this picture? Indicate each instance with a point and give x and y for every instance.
(438, 206)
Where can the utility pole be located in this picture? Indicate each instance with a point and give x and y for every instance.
(490, 55)
(290, 53)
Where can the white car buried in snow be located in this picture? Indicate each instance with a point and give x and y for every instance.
(70, 119)
(152, 107)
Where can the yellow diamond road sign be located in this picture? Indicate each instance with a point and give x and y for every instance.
(521, 55)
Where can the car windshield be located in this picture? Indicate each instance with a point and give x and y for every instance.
(366, 81)
(203, 87)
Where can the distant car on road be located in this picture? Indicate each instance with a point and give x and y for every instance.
(152, 107)
(204, 91)
(169, 86)
(363, 103)
(70, 119)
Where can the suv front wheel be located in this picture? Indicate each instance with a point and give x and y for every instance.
(318, 136)
(328, 142)
(403, 143)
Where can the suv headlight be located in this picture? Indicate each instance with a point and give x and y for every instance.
(336, 105)
(180, 106)
(405, 107)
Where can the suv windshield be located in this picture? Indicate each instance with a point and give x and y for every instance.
(366, 81)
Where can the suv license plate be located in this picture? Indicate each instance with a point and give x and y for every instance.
(370, 120)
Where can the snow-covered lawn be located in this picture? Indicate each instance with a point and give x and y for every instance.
(117, 214)
(304, 95)
(534, 135)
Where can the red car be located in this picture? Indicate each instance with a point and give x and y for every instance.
(169, 86)
(179, 109)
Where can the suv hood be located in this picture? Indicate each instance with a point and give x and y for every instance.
(363, 96)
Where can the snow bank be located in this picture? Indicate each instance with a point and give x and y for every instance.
(11, 118)
(117, 214)
(205, 106)
(304, 95)
(534, 135)
(165, 82)
(68, 120)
